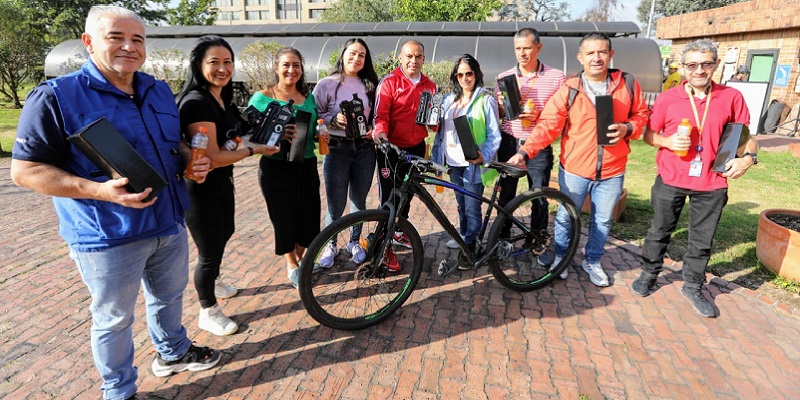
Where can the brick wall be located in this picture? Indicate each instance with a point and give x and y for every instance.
(751, 25)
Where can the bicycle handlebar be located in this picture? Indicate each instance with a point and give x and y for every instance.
(418, 161)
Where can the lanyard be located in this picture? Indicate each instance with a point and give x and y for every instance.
(698, 122)
(539, 69)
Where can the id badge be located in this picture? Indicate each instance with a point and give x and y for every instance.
(696, 167)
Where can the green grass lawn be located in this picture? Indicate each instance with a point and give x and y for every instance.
(8, 127)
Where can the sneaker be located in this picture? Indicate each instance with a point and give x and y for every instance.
(328, 255)
(452, 244)
(223, 290)
(556, 260)
(196, 359)
(357, 252)
(390, 261)
(401, 239)
(700, 304)
(644, 283)
(294, 275)
(213, 320)
(596, 273)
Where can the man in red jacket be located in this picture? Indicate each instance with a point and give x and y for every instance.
(589, 169)
(395, 115)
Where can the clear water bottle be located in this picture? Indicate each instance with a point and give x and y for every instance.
(199, 146)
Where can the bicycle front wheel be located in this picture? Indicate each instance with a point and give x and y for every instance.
(525, 243)
(363, 285)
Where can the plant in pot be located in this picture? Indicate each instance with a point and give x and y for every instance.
(778, 242)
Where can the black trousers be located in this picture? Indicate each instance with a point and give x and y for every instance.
(211, 222)
(705, 210)
(391, 172)
(539, 170)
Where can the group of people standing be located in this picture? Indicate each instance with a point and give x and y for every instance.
(120, 242)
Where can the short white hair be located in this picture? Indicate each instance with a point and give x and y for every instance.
(97, 13)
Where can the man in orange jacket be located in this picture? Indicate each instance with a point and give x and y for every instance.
(586, 167)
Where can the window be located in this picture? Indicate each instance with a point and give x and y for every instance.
(229, 16)
(315, 14)
(257, 15)
(287, 9)
(224, 3)
(256, 2)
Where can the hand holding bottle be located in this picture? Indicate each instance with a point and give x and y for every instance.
(199, 146)
(323, 136)
(682, 138)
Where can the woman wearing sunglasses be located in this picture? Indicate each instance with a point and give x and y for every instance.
(469, 98)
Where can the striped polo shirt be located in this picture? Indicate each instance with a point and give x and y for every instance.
(539, 87)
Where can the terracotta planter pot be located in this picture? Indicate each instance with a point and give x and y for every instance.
(777, 247)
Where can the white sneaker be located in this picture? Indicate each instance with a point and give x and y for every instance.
(357, 252)
(557, 260)
(223, 290)
(213, 320)
(596, 273)
(452, 244)
(294, 275)
(328, 255)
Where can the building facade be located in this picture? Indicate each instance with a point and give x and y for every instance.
(761, 35)
(244, 12)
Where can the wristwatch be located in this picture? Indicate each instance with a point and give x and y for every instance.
(754, 156)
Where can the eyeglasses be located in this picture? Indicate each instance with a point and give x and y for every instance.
(468, 74)
(708, 65)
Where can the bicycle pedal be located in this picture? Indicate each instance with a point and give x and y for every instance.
(446, 268)
(504, 250)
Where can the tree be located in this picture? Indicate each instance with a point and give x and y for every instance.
(601, 11)
(22, 50)
(257, 63)
(534, 10)
(168, 65)
(192, 12)
(359, 11)
(445, 10)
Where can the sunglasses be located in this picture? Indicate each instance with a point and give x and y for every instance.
(708, 65)
(468, 74)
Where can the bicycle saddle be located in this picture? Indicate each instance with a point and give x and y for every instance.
(512, 170)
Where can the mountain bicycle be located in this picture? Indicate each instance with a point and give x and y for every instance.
(357, 293)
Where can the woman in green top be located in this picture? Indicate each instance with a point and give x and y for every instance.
(291, 189)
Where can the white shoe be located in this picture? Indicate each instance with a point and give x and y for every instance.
(596, 273)
(357, 252)
(223, 290)
(328, 255)
(557, 260)
(294, 275)
(213, 320)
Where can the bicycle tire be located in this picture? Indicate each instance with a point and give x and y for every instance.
(517, 264)
(352, 296)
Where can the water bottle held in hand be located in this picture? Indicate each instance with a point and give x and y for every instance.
(199, 146)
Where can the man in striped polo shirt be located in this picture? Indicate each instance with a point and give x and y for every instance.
(537, 82)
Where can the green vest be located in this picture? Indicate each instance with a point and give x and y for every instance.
(477, 125)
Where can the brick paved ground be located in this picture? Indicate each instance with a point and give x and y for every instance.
(464, 337)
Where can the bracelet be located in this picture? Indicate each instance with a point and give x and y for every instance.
(250, 149)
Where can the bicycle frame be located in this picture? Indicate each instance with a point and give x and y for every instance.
(413, 184)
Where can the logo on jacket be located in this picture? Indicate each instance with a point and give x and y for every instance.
(385, 173)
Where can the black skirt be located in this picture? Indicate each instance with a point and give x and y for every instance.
(291, 191)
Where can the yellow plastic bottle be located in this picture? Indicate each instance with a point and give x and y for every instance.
(529, 108)
(323, 143)
(685, 130)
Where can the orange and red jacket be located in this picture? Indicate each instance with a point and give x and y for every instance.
(580, 154)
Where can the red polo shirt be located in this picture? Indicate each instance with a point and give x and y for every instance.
(727, 105)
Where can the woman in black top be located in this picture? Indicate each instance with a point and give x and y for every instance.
(205, 101)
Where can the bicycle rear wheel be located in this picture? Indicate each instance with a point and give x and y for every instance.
(525, 252)
(352, 295)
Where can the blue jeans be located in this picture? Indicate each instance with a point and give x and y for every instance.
(349, 167)
(469, 209)
(705, 211)
(113, 277)
(604, 195)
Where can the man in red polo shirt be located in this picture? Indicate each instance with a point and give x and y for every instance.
(708, 106)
